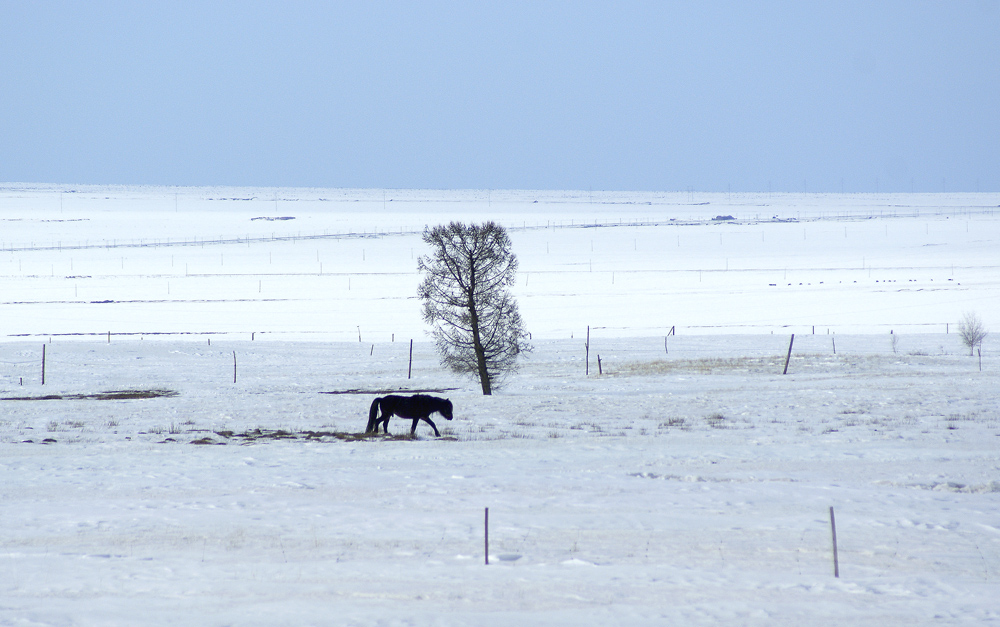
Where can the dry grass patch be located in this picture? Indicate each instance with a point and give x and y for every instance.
(262, 435)
(760, 365)
(708, 365)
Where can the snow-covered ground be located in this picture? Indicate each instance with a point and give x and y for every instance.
(689, 482)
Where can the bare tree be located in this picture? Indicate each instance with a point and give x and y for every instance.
(972, 331)
(476, 324)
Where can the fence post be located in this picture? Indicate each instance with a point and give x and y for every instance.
(833, 531)
(789, 357)
(409, 368)
(43, 364)
(486, 536)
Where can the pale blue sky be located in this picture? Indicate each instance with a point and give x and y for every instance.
(816, 96)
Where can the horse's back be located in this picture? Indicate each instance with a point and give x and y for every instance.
(416, 406)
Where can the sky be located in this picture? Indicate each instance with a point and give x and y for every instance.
(654, 96)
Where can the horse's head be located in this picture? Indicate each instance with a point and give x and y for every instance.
(446, 409)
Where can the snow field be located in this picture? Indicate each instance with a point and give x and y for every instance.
(689, 482)
(217, 260)
(692, 486)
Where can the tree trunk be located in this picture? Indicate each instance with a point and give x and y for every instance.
(477, 345)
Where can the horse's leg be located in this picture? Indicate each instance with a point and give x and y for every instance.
(413, 427)
(385, 421)
(431, 423)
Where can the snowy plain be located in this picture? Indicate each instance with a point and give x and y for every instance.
(687, 482)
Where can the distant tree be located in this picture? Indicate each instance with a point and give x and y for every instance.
(476, 324)
(972, 331)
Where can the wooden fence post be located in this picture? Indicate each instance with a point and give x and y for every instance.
(789, 357)
(586, 348)
(43, 364)
(833, 531)
(409, 368)
(486, 536)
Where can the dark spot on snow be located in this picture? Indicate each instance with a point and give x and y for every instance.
(205, 440)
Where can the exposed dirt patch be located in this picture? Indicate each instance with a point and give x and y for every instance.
(114, 395)
(262, 435)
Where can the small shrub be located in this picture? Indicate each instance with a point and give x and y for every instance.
(972, 331)
(716, 421)
(673, 422)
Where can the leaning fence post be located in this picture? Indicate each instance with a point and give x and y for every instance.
(833, 531)
(486, 536)
(789, 357)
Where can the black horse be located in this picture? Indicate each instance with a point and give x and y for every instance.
(417, 407)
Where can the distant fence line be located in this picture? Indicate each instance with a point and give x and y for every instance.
(601, 333)
(511, 225)
(247, 240)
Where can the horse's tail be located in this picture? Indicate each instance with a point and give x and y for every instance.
(373, 415)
